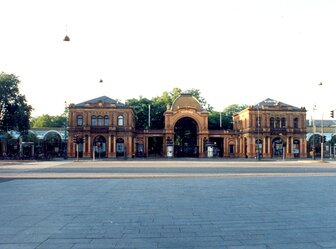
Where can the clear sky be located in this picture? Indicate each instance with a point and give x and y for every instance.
(234, 51)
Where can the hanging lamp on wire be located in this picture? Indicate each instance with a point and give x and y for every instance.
(66, 38)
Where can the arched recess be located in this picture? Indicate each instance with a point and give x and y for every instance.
(198, 119)
(99, 145)
(52, 144)
(314, 145)
(277, 147)
(186, 137)
(120, 147)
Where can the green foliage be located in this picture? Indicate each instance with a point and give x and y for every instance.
(14, 110)
(141, 110)
(214, 117)
(48, 121)
(158, 105)
(234, 108)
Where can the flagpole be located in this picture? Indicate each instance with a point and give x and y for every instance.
(149, 113)
(220, 119)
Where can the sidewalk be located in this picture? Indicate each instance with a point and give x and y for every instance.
(173, 213)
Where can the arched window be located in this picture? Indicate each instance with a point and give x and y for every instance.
(296, 123)
(258, 122)
(277, 125)
(93, 120)
(100, 120)
(272, 122)
(106, 120)
(79, 120)
(120, 120)
(283, 122)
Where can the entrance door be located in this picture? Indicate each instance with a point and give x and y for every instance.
(120, 147)
(218, 146)
(185, 138)
(155, 146)
(277, 145)
(99, 145)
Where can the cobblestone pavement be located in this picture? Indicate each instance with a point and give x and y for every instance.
(243, 205)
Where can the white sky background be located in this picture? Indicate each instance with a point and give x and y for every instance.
(237, 51)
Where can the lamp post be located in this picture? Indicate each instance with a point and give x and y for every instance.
(65, 133)
(314, 131)
(66, 39)
(258, 131)
(322, 142)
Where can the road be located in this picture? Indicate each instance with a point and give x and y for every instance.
(163, 168)
(228, 204)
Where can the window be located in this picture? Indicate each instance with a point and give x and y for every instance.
(79, 120)
(100, 120)
(258, 122)
(283, 123)
(296, 123)
(93, 120)
(120, 120)
(277, 123)
(106, 120)
(272, 122)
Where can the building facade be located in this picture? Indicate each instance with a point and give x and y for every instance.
(272, 129)
(105, 128)
(102, 128)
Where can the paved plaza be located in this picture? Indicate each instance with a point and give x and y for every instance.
(168, 204)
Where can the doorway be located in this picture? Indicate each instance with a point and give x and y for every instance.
(185, 138)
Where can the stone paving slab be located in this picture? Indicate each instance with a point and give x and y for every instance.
(231, 213)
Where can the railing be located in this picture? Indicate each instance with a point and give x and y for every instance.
(99, 129)
(278, 131)
(77, 129)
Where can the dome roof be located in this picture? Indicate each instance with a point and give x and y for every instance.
(186, 100)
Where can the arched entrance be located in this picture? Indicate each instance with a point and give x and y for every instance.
(185, 138)
(314, 145)
(53, 144)
(296, 148)
(277, 147)
(99, 145)
(120, 147)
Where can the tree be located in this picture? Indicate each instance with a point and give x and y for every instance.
(158, 105)
(14, 110)
(141, 110)
(48, 121)
(214, 117)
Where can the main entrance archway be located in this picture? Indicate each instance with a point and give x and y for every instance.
(185, 138)
(99, 145)
(278, 147)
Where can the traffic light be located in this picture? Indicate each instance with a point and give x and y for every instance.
(332, 114)
(324, 139)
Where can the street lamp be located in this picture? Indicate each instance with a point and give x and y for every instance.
(322, 142)
(258, 131)
(65, 133)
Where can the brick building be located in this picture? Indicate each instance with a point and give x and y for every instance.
(269, 129)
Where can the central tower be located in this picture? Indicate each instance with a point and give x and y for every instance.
(186, 124)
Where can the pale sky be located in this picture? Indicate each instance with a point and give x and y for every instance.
(235, 52)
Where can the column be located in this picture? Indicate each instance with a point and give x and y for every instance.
(288, 147)
(89, 145)
(84, 148)
(114, 146)
(146, 145)
(109, 146)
